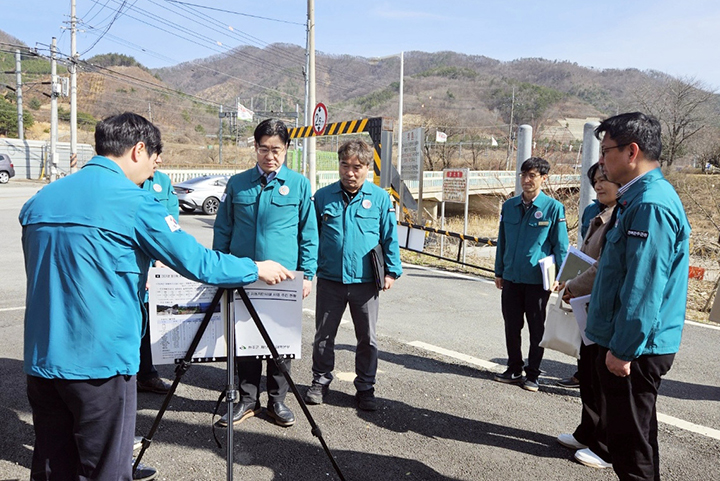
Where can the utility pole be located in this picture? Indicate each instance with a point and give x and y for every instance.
(220, 135)
(512, 111)
(73, 89)
(400, 119)
(150, 112)
(311, 144)
(18, 86)
(54, 92)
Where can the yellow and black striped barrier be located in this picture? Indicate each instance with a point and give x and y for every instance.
(478, 240)
(373, 127)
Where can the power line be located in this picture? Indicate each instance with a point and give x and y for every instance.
(117, 15)
(235, 13)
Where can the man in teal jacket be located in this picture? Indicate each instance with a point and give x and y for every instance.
(160, 186)
(637, 309)
(86, 260)
(532, 226)
(354, 217)
(266, 213)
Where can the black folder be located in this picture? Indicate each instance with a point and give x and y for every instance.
(378, 265)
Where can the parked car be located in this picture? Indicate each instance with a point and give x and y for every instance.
(7, 169)
(201, 193)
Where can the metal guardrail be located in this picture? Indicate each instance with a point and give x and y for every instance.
(481, 181)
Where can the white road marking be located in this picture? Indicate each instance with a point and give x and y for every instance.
(700, 324)
(688, 426)
(491, 366)
(4, 309)
(456, 355)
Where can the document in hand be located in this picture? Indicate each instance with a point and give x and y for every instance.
(580, 309)
(547, 267)
(575, 263)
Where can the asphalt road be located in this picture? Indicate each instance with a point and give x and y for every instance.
(441, 416)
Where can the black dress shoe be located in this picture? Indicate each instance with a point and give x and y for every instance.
(242, 411)
(282, 415)
(154, 384)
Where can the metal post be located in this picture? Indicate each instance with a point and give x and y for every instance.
(590, 155)
(421, 179)
(400, 119)
(311, 144)
(18, 85)
(386, 159)
(524, 152)
(232, 393)
(53, 110)
(73, 89)
(220, 135)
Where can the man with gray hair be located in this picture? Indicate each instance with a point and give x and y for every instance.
(354, 217)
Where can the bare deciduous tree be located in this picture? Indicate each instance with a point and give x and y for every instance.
(680, 104)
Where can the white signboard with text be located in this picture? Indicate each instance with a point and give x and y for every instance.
(412, 154)
(455, 185)
(177, 306)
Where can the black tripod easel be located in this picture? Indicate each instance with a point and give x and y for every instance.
(232, 393)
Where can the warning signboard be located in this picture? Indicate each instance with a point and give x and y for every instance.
(412, 155)
(455, 185)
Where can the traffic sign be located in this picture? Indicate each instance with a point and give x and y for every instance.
(320, 117)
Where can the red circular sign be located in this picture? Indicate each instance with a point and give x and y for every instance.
(319, 118)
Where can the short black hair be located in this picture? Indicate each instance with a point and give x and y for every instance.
(634, 127)
(538, 163)
(271, 128)
(117, 134)
(591, 173)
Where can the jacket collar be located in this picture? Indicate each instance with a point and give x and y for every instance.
(540, 201)
(101, 161)
(639, 186)
(280, 174)
(365, 189)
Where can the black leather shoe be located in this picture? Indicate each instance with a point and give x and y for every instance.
(154, 384)
(282, 414)
(241, 412)
(144, 472)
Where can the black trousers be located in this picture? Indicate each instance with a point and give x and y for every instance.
(83, 429)
(628, 410)
(249, 374)
(590, 431)
(520, 301)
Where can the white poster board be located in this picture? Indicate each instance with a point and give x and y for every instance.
(280, 310)
(176, 307)
(412, 154)
(413, 239)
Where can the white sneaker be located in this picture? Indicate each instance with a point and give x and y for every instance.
(569, 441)
(588, 458)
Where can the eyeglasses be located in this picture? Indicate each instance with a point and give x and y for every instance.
(605, 149)
(529, 175)
(275, 151)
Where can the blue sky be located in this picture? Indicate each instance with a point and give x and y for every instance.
(679, 38)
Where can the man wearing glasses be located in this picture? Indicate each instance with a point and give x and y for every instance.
(532, 226)
(267, 213)
(637, 310)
